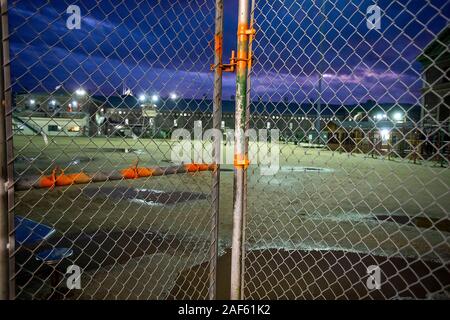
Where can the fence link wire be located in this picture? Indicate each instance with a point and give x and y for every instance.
(359, 207)
(96, 96)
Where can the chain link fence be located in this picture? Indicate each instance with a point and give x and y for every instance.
(100, 210)
(353, 94)
(359, 91)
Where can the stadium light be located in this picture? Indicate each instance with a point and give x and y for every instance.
(155, 98)
(53, 102)
(173, 96)
(142, 98)
(32, 102)
(81, 92)
(398, 116)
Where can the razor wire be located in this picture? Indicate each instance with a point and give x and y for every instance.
(101, 211)
(359, 205)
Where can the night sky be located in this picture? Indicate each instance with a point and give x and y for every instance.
(166, 46)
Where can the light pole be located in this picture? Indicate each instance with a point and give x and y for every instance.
(318, 124)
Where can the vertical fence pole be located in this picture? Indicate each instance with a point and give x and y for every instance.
(247, 127)
(4, 227)
(240, 154)
(6, 191)
(217, 118)
(9, 142)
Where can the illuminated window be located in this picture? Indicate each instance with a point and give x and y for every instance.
(74, 129)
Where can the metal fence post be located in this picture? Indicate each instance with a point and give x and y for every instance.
(247, 128)
(217, 117)
(4, 256)
(240, 153)
(6, 194)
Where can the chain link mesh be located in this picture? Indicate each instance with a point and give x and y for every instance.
(363, 186)
(95, 104)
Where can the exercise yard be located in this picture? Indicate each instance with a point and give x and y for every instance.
(321, 206)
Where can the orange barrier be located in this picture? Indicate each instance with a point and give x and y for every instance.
(196, 167)
(63, 179)
(136, 172)
(79, 178)
(133, 172)
(48, 181)
(241, 161)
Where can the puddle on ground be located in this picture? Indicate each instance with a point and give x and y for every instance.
(145, 196)
(420, 222)
(307, 169)
(300, 274)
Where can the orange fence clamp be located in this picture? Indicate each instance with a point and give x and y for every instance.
(218, 44)
(241, 161)
(227, 67)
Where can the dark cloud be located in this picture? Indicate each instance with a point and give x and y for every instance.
(164, 46)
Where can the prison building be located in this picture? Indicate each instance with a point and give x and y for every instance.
(59, 124)
(122, 115)
(435, 120)
(296, 122)
(384, 128)
(381, 137)
(60, 100)
(59, 113)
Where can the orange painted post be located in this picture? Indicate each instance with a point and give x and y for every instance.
(240, 152)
